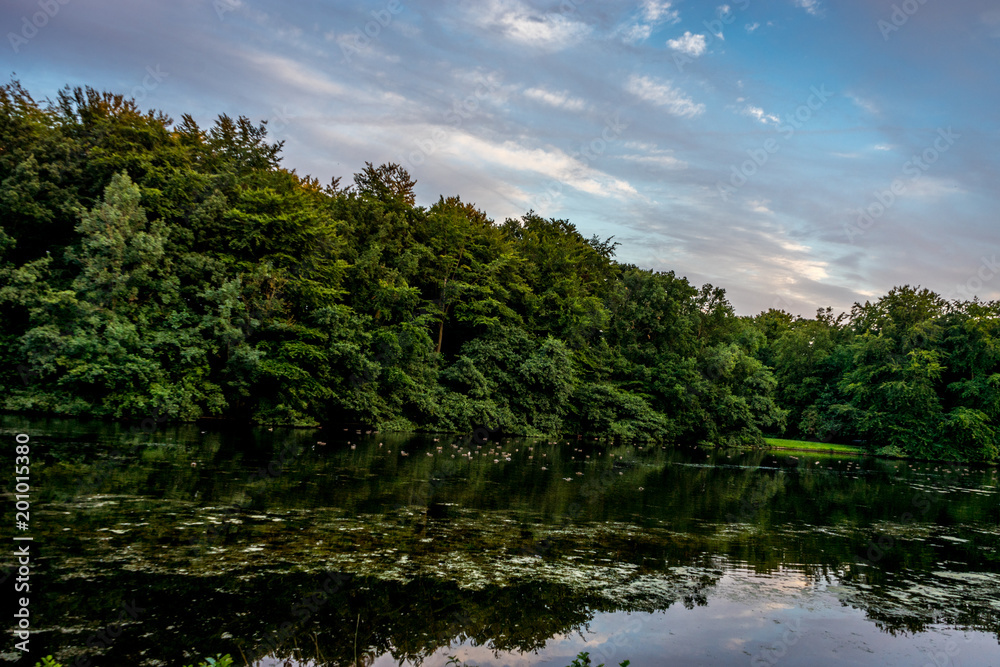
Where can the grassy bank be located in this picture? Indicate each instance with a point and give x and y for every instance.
(804, 445)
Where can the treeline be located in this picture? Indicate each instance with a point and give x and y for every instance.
(911, 374)
(158, 269)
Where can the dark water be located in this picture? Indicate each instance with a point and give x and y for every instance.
(513, 552)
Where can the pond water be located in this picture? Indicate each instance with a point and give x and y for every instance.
(321, 547)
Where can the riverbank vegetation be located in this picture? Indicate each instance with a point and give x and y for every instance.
(811, 446)
(153, 269)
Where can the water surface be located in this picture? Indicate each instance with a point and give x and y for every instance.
(339, 547)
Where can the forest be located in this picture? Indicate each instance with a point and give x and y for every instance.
(153, 269)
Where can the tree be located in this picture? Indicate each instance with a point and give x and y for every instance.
(387, 183)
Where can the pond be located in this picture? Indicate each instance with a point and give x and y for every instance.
(321, 547)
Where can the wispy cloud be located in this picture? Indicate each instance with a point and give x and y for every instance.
(652, 14)
(650, 156)
(862, 103)
(549, 161)
(558, 99)
(662, 93)
(659, 12)
(933, 188)
(636, 33)
(464, 95)
(548, 31)
(688, 44)
(811, 6)
(760, 115)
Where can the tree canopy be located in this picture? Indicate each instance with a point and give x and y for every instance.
(153, 267)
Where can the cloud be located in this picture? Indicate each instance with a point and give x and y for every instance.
(523, 24)
(758, 113)
(688, 44)
(665, 95)
(882, 147)
(651, 156)
(639, 32)
(550, 162)
(295, 73)
(560, 100)
(811, 6)
(653, 13)
(659, 12)
(861, 103)
(928, 187)
(750, 27)
(760, 206)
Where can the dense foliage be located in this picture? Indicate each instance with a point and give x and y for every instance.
(909, 374)
(158, 269)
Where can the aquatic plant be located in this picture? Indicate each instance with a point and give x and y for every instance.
(217, 661)
(581, 660)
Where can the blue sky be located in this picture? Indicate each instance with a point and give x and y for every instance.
(798, 153)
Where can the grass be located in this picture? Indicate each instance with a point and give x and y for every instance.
(804, 445)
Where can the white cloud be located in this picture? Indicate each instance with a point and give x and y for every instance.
(750, 27)
(560, 100)
(659, 12)
(550, 162)
(810, 269)
(882, 147)
(758, 113)
(640, 32)
(293, 72)
(665, 95)
(688, 44)
(760, 206)
(650, 155)
(517, 21)
(811, 6)
(652, 14)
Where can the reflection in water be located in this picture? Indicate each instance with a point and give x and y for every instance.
(268, 544)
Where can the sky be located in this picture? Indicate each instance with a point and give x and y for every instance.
(798, 153)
